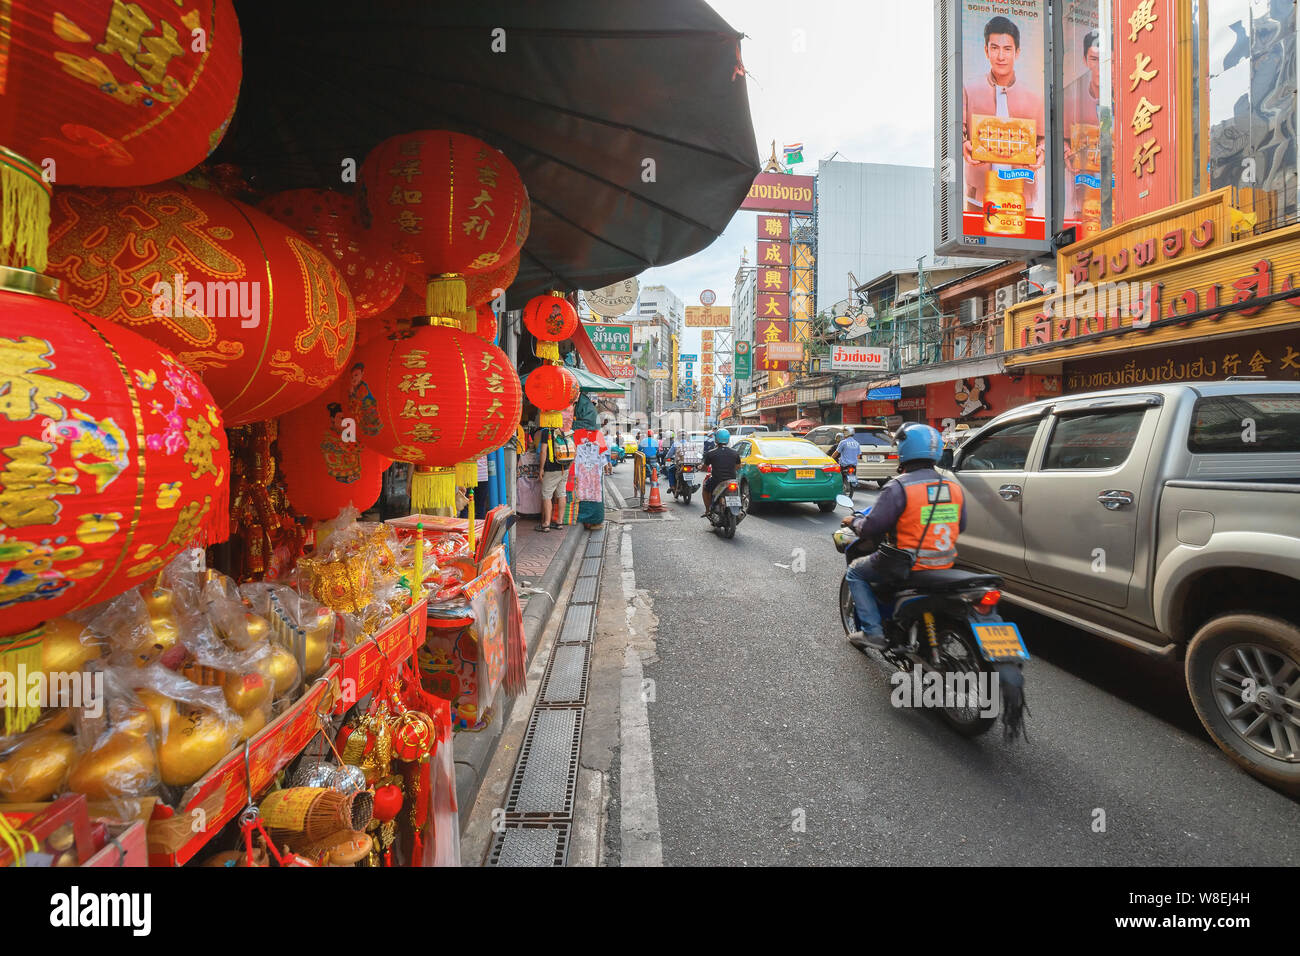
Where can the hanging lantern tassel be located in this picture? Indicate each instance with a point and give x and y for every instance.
(433, 489)
(466, 474)
(24, 213)
(20, 659)
(444, 296)
(550, 419)
(473, 524)
(548, 351)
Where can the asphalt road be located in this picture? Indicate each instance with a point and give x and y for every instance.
(774, 742)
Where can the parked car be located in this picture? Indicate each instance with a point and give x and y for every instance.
(740, 431)
(779, 467)
(1167, 519)
(879, 459)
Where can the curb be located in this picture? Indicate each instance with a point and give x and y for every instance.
(473, 752)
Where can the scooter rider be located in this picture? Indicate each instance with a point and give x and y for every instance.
(669, 455)
(847, 453)
(923, 512)
(723, 463)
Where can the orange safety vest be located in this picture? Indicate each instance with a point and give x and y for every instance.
(939, 549)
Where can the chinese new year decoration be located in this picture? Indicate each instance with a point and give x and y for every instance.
(483, 287)
(117, 93)
(486, 326)
(24, 213)
(330, 221)
(196, 272)
(552, 388)
(551, 319)
(438, 398)
(449, 203)
(112, 460)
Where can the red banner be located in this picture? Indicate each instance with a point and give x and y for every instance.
(771, 331)
(774, 228)
(773, 280)
(773, 255)
(773, 306)
(1146, 114)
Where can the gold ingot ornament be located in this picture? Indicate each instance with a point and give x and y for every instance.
(63, 651)
(122, 765)
(281, 667)
(36, 770)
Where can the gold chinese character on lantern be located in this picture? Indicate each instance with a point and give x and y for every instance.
(475, 226)
(423, 432)
(25, 390)
(28, 484)
(407, 169)
(420, 382)
(415, 358)
(413, 410)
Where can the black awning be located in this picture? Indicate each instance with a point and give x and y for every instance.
(585, 92)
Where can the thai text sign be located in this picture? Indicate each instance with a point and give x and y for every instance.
(776, 192)
(859, 358)
(708, 316)
(611, 338)
(785, 351)
(1276, 355)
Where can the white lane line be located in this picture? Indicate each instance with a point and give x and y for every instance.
(638, 803)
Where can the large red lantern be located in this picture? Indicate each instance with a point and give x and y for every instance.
(329, 220)
(113, 459)
(118, 94)
(486, 329)
(249, 304)
(551, 318)
(485, 286)
(450, 202)
(325, 466)
(437, 397)
(552, 388)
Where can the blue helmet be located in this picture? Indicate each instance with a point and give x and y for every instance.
(917, 442)
(722, 436)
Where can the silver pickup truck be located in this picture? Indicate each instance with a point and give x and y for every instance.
(1167, 519)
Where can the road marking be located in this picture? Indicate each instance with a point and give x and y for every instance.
(638, 803)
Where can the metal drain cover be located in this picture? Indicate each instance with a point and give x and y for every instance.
(547, 773)
(530, 844)
(577, 624)
(590, 566)
(584, 592)
(566, 676)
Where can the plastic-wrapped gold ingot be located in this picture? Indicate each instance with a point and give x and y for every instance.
(62, 650)
(36, 769)
(253, 721)
(122, 765)
(62, 838)
(320, 637)
(247, 692)
(281, 667)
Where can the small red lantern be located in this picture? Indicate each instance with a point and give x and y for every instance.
(437, 397)
(551, 318)
(450, 202)
(118, 94)
(249, 304)
(486, 329)
(552, 388)
(329, 221)
(326, 468)
(113, 458)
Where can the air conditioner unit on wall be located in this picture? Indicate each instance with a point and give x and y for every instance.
(1003, 298)
(1022, 290)
(970, 311)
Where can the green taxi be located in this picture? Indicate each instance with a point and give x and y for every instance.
(784, 468)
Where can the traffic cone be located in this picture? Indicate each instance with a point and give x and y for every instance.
(654, 505)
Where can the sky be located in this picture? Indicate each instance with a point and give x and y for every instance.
(862, 85)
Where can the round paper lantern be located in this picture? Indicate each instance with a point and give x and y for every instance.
(486, 329)
(329, 220)
(483, 286)
(438, 398)
(551, 318)
(249, 304)
(325, 466)
(552, 388)
(450, 202)
(118, 94)
(113, 459)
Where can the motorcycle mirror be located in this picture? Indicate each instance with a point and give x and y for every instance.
(844, 501)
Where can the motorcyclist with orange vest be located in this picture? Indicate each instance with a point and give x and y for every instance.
(906, 505)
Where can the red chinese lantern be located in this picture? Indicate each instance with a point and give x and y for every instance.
(450, 202)
(437, 397)
(485, 286)
(486, 328)
(325, 466)
(552, 388)
(551, 318)
(113, 459)
(195, 272)
(329, 220)
(118, 94)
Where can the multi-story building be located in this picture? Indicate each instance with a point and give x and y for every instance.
(660, 300)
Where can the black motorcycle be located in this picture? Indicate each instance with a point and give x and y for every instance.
(686, 480)
(944, 632)
(727, 510)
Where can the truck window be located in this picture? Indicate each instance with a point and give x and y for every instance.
(1005, 449)
(1093, 440)
(1232, 424)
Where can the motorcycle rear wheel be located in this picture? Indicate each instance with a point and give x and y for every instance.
(961, 655)
(848, 613)
(728, 524)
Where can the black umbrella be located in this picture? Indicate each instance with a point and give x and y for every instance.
(628, 120)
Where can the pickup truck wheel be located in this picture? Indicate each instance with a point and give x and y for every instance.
(1243, 674)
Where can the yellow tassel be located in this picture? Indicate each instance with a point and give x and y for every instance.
(24, 213)
(433, 490)
(445, 295)
(550, 351)
(550, 419)
(466, 474)
(20, 658)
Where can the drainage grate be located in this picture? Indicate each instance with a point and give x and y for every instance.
(589, 567)
(594, 549)
(547, 773)
(530, 844)
(565, 683)
(584, 592)
(577, 624)
(597, 539)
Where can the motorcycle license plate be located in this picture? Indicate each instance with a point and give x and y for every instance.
(805, 472)
(1000, 641)
(875, 458)
(733, 501)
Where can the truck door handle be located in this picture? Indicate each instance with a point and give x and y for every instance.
(1114, 500)
(1009, 492)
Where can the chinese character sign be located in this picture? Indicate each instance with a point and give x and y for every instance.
(1146, 115)
(773, 228)
(773, 255)
(1003, 122)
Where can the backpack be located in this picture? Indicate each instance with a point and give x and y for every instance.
(562, 450)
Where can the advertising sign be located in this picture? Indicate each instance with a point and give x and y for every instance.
(769, 331)
(773, 306)
(659, 374)
(724, 368)
(765, 363)
(744, 366)
(785, 351)
(611, 338)
(688, 358)
(776, 192)
(774, 228)
(773, 255)
(1080, 79)
(622, 370)
(1146, 118)
(708, 297)
(773, 280)
(859, 358)
(889, 393)
(708, 316)
(613, 300)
